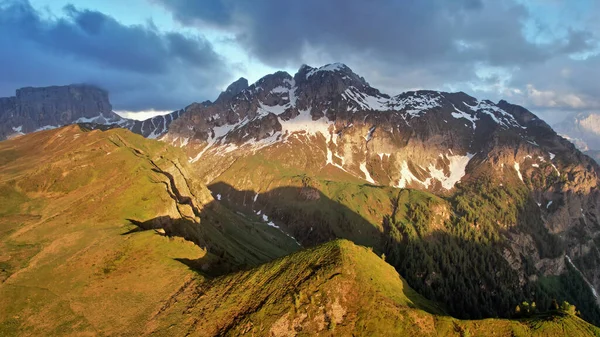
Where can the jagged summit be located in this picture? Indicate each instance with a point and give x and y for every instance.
(331, 99)
(331, 67)
(328, 72)
(309, 71)
(233, 89)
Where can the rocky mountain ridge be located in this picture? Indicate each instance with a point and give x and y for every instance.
(329, 122)
(353, 117)
(35, 109)
(274, 148)
(90, 227)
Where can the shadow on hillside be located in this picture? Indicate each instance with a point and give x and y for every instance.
(470, 278)
(304, 212)
(235, 231)
(239, 235)
(213, 264)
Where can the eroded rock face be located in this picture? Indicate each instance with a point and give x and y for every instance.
(34, 109)
(38, 108)
(233, 89)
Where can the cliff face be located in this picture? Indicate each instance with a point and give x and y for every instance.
(62, 104)
(33, 109)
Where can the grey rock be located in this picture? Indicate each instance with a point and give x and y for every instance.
(34, 109)
(232, 90)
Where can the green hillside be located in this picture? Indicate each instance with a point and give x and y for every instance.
(449, 248)
(335, 289)
(71, 261)
(92, 228)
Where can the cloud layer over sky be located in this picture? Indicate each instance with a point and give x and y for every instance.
(543, 54)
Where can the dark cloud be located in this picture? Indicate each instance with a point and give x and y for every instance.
(401, 44)
(415, 32)
(142, 67)
(214, 12)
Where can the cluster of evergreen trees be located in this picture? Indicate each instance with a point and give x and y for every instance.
(461, 266)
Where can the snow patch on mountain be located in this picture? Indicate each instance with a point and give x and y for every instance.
(518, 169)
(304, 123)
(46, 127)
(364, 101)
(89, 120)
(325, 68)
(265, 218)
(363, 168)
(407, 177)
(457, 170)
(279, 90)
(381, 155)
(416, 103)
(219, 134)
(369, 135)
(458, 114)
(264, 109)
(594, 292)
(498, 115)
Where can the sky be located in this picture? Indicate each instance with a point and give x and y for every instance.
(156, 56)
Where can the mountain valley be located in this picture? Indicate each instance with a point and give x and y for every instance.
(311, 204)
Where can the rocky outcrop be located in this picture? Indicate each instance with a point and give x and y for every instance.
(35, 109)
(329, 121)
(233, 89)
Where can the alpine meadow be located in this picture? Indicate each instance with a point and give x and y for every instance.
(442, 181)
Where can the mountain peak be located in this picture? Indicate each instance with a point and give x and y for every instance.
(330, 67)
(337, 72)
(308, 71)
(233, 89)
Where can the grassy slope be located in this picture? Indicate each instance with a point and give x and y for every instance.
(337, 288)
(472, 222)
(67, 268)
(65, 265)
(347, 208)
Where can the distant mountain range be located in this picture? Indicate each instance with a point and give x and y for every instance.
(479, 205)
(35, 109)
(583, 129)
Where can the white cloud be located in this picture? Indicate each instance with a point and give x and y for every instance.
(141, 115)
(553, 99)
